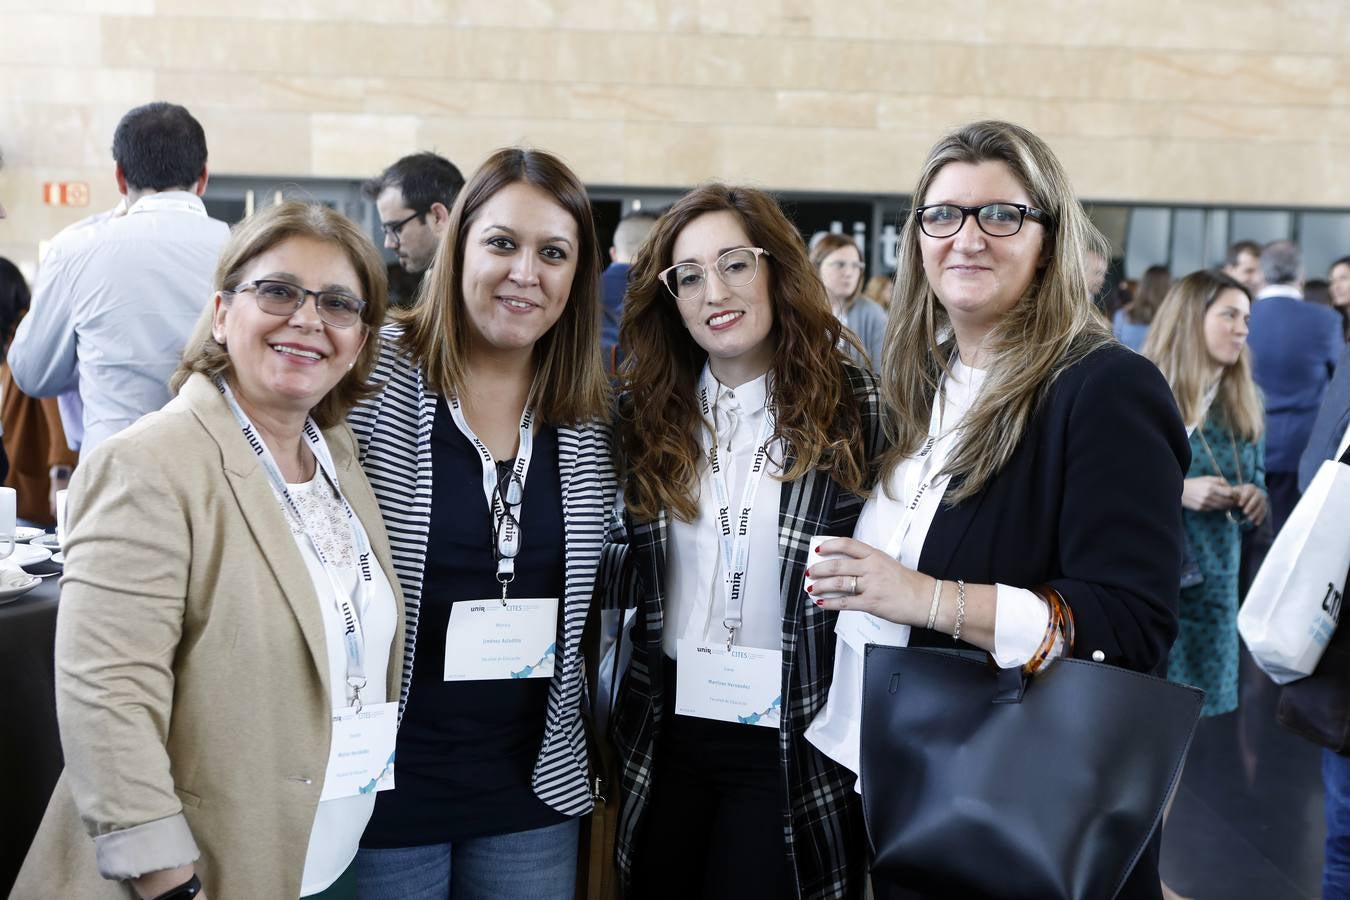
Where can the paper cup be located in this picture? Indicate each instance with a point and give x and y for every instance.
(61, 517)
(812, 557)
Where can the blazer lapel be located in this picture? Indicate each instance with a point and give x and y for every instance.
(949, 527)
(260, 510)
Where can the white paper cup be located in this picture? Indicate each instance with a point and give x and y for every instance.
(812, 557)
(61, 517)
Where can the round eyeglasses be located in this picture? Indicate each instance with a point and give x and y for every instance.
(736, 268)
(281, 298)
(942, 220)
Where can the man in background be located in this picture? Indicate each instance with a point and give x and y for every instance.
(1294, 346)
(414, 197)
(628, 237)
(114, 305)
(1243, 264)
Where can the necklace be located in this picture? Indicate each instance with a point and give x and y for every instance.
(1237, 463)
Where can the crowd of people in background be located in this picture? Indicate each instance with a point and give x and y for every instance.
(727, 430)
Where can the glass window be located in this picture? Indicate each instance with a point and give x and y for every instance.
(1324, 238)
(1149, 237)
(1188, 242)
(1261, 225)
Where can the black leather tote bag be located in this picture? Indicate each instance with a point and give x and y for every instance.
(989, 783)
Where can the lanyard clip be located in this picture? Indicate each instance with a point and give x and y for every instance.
(356, 685)
(504, 581)
(731, 636)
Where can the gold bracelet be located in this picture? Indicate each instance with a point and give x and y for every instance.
(960, 609)
(933, 607)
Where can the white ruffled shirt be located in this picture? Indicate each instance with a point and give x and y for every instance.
(888, 522)
(338, 824)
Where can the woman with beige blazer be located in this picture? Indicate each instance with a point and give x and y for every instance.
(230, 633)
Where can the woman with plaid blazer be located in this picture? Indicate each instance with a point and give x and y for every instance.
(745, 431)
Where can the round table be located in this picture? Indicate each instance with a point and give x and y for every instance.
(30, 747)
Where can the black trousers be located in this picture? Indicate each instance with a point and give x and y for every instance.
(1284, 494)
(714, 827)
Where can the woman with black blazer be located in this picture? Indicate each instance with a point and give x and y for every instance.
(1029, 447)
(745, 431)
(488, 449)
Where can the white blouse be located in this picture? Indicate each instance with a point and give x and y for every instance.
(338, 824)
(897, 519)
(695, 600)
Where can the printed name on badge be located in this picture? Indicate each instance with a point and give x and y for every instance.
(487, 640)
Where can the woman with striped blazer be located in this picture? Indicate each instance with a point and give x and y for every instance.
(745, 431)
(489, 451)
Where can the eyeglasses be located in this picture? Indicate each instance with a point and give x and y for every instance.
(507, 496)
(281, 298)
(842, 265)
(393, 231)
(995, 219)
(736, 268)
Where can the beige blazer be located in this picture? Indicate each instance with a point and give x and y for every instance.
(191, 664)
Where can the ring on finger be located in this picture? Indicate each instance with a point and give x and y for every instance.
(854, 588)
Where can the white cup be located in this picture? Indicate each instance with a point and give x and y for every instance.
(812, 557)
(61, 517)
(8, 505)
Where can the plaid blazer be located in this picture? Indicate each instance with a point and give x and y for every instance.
(823, 822)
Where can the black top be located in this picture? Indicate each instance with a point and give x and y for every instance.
(466, 749)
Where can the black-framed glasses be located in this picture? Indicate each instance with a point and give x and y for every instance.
(507, 497)
(281, 298)
(736, 268)
(942, 220)
(393, 231)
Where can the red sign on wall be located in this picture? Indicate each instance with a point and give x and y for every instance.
(66, 193)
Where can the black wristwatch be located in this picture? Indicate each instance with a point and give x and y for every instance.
(185, 891)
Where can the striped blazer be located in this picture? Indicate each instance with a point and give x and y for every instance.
(823, 822)
(393, 432)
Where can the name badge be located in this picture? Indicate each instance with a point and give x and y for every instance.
(486, 641)
(858, 629)
(743, 685)
(361, 758)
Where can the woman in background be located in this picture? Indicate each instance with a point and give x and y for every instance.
(1339, 278)
(840, 264)
(1131, 322)
(1199, 341)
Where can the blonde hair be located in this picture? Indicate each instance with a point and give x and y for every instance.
(572, 387)
(1176, 342)
(252, 238)
(1051, 327)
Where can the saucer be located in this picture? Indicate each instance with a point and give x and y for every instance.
(27, 554)
(59, 558)
(14, 584)
(45, 540)
(25, 533)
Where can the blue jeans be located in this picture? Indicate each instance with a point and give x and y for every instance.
(1336, 783)
(529, 865)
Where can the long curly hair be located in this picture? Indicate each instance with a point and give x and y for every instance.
(660, 423)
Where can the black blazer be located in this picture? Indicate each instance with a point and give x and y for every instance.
(1090, 502)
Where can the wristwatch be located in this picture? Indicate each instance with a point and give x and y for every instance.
(185, 891)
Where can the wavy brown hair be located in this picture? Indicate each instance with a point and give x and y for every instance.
(827, 245)
(571, 384)
(1176, 342)
(1052, 326)
(1153, 288)
(660, 422)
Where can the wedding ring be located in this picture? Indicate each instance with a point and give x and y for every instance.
(854, 589)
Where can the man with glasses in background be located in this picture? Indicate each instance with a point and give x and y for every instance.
(414, 197)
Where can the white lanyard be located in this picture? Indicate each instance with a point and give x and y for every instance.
(505, 514)
(354, 637)
(735, 543)
(924, 471)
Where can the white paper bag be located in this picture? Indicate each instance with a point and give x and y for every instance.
(1295, 600)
